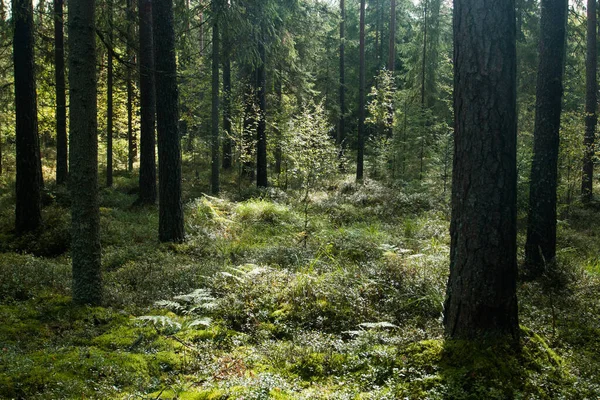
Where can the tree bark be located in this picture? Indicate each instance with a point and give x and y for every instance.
(83, 181)
(591, 103)
(147, 192)
(29, 173)
(341, 134)
(215, 145)
(261, 131)
(171, 228)
(62, 168)
(481, 296)
(131, 139)
(540, 248)
(361, 98)
(109, 100)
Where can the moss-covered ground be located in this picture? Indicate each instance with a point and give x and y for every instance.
(255, 306)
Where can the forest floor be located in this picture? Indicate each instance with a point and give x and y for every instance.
(266, 301)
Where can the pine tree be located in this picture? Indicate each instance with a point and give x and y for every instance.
(591, 103)
(170, 227)
(481, 295)
(83, 154)
(147, 182)
(29, 172)
(541, 227)
(62, 168)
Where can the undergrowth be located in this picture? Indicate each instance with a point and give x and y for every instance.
(257, 304)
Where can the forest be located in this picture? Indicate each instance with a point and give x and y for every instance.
(299, 199)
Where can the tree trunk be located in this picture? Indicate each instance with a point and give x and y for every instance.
(361, 98)
(341, 134)
(227, 140)
(424, 50)
(215, 145)
(147, 193)
(131, 139)
(29, 172)
(170, 222)
(481, 296)
(540, 248)
(591, 117)
(109, 100)
(261, 131)
(83, 154)
(62, 169)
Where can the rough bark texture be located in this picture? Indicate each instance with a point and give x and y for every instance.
(62, 168)
(261, 131)
(481, 295)
(227, 140)
(341, 134)
(147, 192)
(169, 146)
(215, 145)
(361, 98)
(540, 248)
(29, 172)
(591, 103)
(109, 101)
(83, 155)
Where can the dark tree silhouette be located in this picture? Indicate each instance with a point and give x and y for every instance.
(109, 100)
(147, 190)
(215, 145)
(481, 295)
(541, 227)
(361, 97)
(29, 170)
(62, 168)
(170, 225)
(83, 154)
(591, 103)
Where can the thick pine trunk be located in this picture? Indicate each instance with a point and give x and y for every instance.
(481, 296)
(361, 98)
(341, 134)
(261, 131)
(171, 228)
(215, 145)
(83, 154)
(29, 172)
(147, 192)
(62, 168)
(591, 117)
(109, 100)
(541, 227)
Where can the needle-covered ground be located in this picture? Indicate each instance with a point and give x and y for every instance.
(268, 298)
